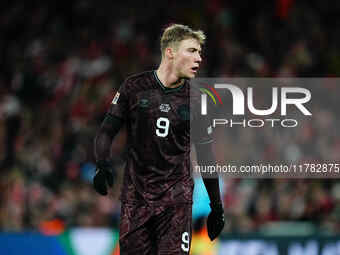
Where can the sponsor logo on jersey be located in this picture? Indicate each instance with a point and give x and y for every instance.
(164, 107)
(115, 99)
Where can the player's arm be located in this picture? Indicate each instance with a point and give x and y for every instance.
(102, 147)
(201, 130)
(112, 123)
(107, 131)
(205, 157)
(201, 135)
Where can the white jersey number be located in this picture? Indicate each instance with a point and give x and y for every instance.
(185, 242)
(162, 127)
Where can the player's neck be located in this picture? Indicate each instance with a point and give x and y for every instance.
(168, 78)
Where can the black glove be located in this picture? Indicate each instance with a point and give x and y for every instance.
(103, 177)
(215, 222)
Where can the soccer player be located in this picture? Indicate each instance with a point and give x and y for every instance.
(157, 188)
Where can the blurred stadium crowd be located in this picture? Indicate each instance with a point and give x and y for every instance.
(61, 63)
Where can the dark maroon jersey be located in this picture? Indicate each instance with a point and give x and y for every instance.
(158, 123)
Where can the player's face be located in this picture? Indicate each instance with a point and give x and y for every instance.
(187, 58)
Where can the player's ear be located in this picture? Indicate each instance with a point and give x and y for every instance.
(169, 52)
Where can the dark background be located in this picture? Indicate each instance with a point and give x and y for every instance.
(61, 63)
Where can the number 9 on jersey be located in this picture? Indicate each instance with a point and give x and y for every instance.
(162, 129)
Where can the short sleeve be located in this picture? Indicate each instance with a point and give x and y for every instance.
(119, 105)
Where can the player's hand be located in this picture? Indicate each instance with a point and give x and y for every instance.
(215, 222)
(103, 177)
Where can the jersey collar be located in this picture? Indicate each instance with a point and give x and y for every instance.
(165, 89)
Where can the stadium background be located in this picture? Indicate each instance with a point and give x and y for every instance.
(60, 66)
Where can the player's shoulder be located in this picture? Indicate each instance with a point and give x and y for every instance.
(138, 78)
(195, 92)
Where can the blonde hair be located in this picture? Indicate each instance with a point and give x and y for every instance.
(176, 33)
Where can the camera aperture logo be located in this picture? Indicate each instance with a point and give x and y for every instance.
(281, 97)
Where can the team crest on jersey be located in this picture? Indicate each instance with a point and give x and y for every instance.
(164, 107)
(115, 99)
(184, 112)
